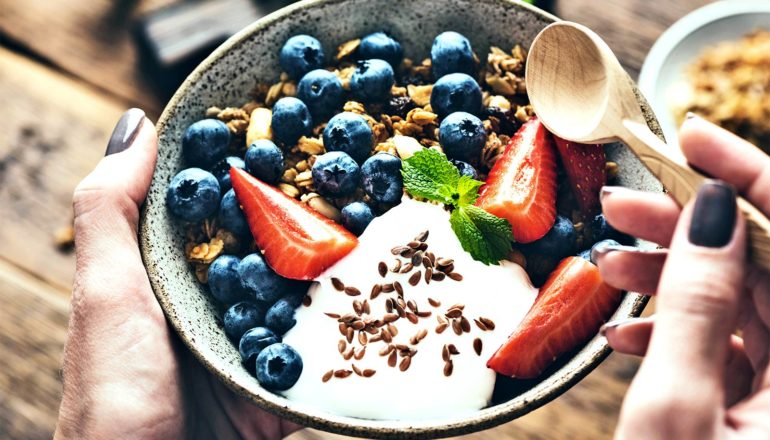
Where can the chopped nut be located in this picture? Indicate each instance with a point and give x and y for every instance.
(323, 206)
(289, 190)
(421, 117)
(312, 145)
(206, 252)
(259, 125)
(420, 94)
(346, 49)
(406, 146)
(499, 102)
(354, 107)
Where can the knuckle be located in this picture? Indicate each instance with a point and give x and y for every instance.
(707, 294)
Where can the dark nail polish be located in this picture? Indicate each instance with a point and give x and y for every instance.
(125, 131)
(713, 217)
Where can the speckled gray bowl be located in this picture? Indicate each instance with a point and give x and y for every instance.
(225, 79)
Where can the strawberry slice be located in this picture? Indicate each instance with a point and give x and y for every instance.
(521, 187)
(297, 242)
(586, 171)
(569, 309)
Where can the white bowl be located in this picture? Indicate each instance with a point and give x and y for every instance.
(664, 69)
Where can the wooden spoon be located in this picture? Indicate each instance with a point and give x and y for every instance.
(582, 94)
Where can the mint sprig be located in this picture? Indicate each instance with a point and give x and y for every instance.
(429, 174)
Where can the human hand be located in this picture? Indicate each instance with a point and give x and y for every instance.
(698, 379)
(125, 373)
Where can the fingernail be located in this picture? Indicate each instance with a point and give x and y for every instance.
(612, 325)
(690, 115)
(608, 190)
(601, 249)
(713, 216)
(125, 131)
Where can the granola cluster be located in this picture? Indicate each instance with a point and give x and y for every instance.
(402, 126)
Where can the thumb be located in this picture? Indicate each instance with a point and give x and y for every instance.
(106, 203)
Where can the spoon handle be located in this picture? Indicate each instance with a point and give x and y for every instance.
(682, 182)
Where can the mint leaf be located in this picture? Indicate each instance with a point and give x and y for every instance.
(467, 190)
(428, 174)
(486, 237)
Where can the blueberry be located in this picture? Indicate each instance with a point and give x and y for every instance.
(193, 194)
(336, 174)
(254, 341)
(451, 53)
(539, 266)
(221, 170)
(372, 80)
(559, 242)
(465, 169)
(456, 92)
(205, 142)
(231, 216)
(278, 367)
(599, 245)
(301, 54)
(241, 317)
(350, 133)
(462, 136)
(322, 92)
(382, 178)
(356, 217)
(280, 316)
(264, 160)
(599, 230)
(259, 280)
(383, 46)
(224, 280)
(291, 120)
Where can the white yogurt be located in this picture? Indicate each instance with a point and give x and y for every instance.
(502, 293)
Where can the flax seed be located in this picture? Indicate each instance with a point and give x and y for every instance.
(358, 325)
(423, 247)
(414, 244)
(407, 268)
(434, 302)
(349, 335)
(452, 349)
(392, 358)
(362, 338)
(382, 268)
(412, 305)
(405, 362)
(447, 269)
(375, 338)
(415, 278)
(402, 348)
(398, 287)
(454, 313)
(422, 236)
(384, 351)
(348, 354)
(387, 288)
(352, 291)
(306, 301)
(400, 310)
(465, 324)
(428, 274)
(413, 340)
(348, 317)
(390, 317)
(408, 253)
(488, 322)
(328, 375)
(444, 262)
(432, 258)
(441, 319)
(477, 346)
(343, 328)
(457, 327)
(386, 336)
(480, 325)
(338, 284)
(412, 317)
(358, 355)
(426, 262)
(445, 355)
(424, 313)
(358, 307)
(396, 266)
(332, 315)
(455, 276)
(376, 290)
(422, 334)
(342, 345)
(392, 330)
(369, 372)
(417, 258)
(441, 327)
(448, 367)
(399, 249)
(366, 308)
(341, 374)
(389, 306)
(356, 370)
(438, 276)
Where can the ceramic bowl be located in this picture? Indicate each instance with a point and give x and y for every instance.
(226, 77)
(664, 69)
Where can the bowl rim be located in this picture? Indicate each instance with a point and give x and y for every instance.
(531, 399)
(680, 31)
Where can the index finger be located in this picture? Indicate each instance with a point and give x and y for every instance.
(726, 156)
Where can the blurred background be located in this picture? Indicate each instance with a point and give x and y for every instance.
(68, 70)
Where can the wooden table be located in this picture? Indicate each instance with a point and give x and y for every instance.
(68, 69)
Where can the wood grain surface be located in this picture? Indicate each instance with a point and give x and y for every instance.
(67, 71)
